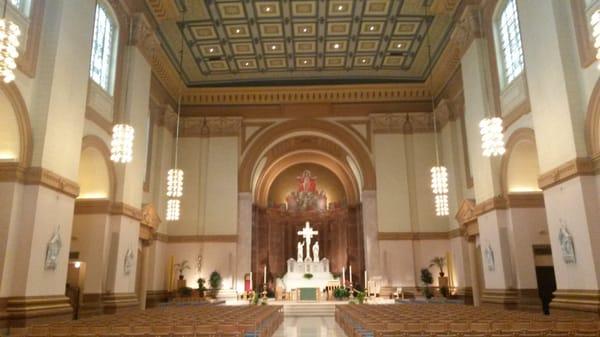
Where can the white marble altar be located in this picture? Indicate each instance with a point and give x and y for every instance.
(294, 278)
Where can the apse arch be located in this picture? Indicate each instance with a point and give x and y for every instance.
(592, 125)
(268, 138)
(520, 168)
(16, 142)
(97, 176)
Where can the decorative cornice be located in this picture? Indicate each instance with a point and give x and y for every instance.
(495, 203)
(525, 200)
(195, 238)
(92, 206)
(119, 208)
(163, 9)
(150, 222)
(144, 37)
(466, 212)
(401, 123)
(211, 126)
(418, 236)
(466, 30)
(307, 94)
(14, 172)
(571, 169)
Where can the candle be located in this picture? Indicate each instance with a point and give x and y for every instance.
(251, 281)
(350, 274)
(343, 276)
(366, 279)
(265, 276)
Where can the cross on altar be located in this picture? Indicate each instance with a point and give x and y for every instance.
(307, 233)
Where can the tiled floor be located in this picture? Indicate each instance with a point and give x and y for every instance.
(309, 327)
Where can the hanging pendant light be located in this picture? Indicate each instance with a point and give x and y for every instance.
(173, 208)
(9, 42)
(121, 144)
(175, 175)
(439, 173)
(595, 23)
(492, 139)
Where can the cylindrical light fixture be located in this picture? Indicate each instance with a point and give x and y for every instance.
(173, 206)
(9, 42)
(492, 139)
(175, 183)
(121, 145)
(439, 180)
(441, 205)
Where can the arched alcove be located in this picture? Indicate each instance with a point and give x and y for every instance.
(520, 168)
(15, 129)
(592, 129)
(96, 172)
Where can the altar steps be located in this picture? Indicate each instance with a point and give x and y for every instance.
(309, 309)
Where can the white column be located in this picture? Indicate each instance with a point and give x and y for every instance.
(145, 260)
(369, 210)
(244, 241)
(475, 286)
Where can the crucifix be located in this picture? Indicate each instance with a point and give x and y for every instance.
(307, 232)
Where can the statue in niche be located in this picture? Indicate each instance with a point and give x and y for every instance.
(567, 247)
(315, 249)
(300, 251)
(489, 258)
(53, 249)
(128, 261)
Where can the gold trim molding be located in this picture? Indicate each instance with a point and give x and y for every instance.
(418, 236)
(195, 238)
(571, 169)
(577, 299)
(495, 203)
(14, 172)
(525, 200)
(211, 127)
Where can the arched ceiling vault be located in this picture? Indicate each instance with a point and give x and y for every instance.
(313, 134)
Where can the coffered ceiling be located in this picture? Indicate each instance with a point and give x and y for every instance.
(260, 42)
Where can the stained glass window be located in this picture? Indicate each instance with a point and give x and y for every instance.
(509, 34)
(21, 5)
(103, 49)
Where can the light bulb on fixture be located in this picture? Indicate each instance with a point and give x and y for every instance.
(175, 183)
(439, 180)
(441, 205)
(9, 42)
(173, 206)
(121, 145)
(595, 23)
(492, 139)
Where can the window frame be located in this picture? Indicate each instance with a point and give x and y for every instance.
(24, 7)
(114, 48)
(503, 77)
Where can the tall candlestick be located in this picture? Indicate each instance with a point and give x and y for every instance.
(265, 276)
(343, 276)
(251, 281)
(350, 274)
(366, 279)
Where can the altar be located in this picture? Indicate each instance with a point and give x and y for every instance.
(307, 272)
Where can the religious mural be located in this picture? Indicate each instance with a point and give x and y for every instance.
(307, 197)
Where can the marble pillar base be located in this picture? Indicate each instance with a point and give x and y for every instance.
(113, 303)
(507, 298)
(579, 300)
(27, 310)
(91, 305)
(154, 297)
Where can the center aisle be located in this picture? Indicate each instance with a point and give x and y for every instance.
(309, 327)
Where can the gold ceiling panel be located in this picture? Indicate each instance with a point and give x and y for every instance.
(340, 41)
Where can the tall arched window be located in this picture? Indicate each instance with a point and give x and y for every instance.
(508, 41)
(22, 5)
(104, 47)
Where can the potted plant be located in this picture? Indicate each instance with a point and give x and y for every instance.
(181, 267)
(360, 297)
(308, 276)
(427, 280)
(185, 292)
(440, 262)
(341, 293)
(201, 287)
(215, 283)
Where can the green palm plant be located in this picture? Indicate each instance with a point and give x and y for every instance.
(181, 267)
(439, 262)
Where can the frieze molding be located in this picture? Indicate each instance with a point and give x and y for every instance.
(417, 236)
(414, 122)
(577, 167)
(211, 126)
(14, 172)
(466, 30)
(163, 9)
(306, 94)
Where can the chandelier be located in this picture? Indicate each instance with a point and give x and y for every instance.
(492, 139)
(173, 206)
(175, 175)
(595, 23)
(439, 173)
(175, 183)
(9, 42)
(121, 145)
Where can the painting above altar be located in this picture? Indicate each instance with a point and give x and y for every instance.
(306, 188)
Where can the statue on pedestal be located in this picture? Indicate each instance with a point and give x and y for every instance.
(300, 251)
(315, 250)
